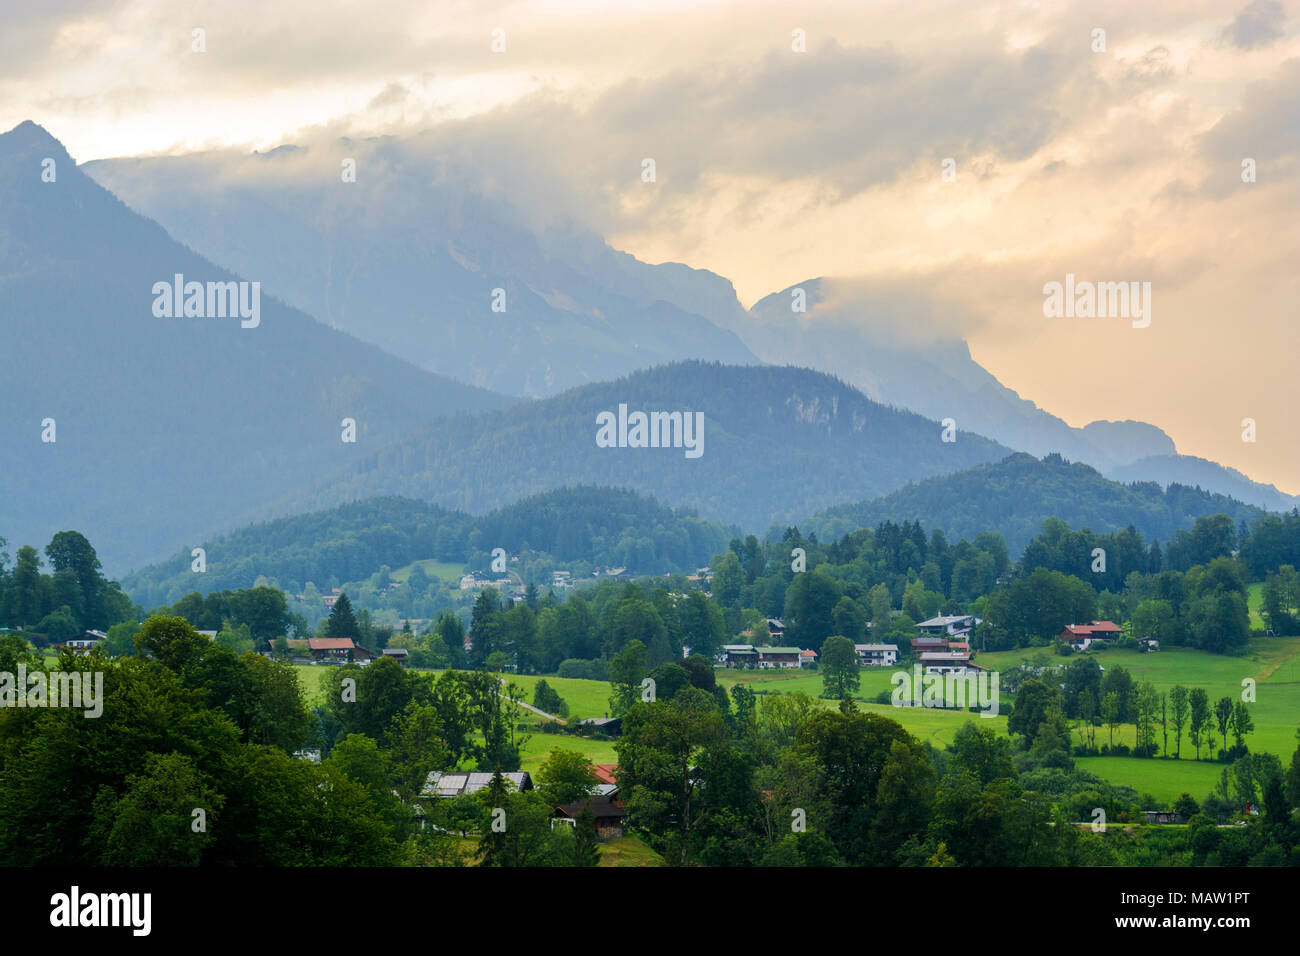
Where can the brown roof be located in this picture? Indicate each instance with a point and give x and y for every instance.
(1093, 628)
(600, 807)
(331, 643)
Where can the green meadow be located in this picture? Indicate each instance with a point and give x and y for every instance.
(586, 698)
(434, 569)
(312, 678)
(1273, 663)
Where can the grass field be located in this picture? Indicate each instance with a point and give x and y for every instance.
(628, 851)
(434, 569)
(1270, 662)
(586, 698)
(872, 681)
(538, 746)
(312, 677)
(1166, 780)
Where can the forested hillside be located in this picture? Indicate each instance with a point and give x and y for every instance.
(593, 525)
(779, 444)
(1017, 494)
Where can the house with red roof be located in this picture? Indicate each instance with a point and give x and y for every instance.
(1083, 636)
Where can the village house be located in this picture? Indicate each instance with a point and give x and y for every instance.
(808, 658)
(612, 726)
(85, 643)
(1083, 636)
(701, 576)
(607, 810)
(399, 654)
(1163, 816)
(770, 658)
(607, 778)
(339, 649)
(954, 625)
(929, 643)
(738, 655)
(947, 662)
(877, 655)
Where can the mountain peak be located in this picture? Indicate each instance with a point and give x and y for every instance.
(29, 138)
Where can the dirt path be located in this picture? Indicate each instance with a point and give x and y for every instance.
(535, 710)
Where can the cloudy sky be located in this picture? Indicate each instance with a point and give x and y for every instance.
(775, 165)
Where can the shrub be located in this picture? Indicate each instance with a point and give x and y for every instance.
(583, 669)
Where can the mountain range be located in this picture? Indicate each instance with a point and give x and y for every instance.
(778, 444)
(409, 254)
(149, 433)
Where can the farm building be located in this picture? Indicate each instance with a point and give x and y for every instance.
(608, 811)
(439, 784)
(607, 724)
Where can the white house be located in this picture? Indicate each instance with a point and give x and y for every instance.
(947, 662)
(950, 625)
(877, 655)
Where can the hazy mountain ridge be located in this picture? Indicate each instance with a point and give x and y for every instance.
(408, 257)
(779, 444)
(165, 428)
(1191, 471)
